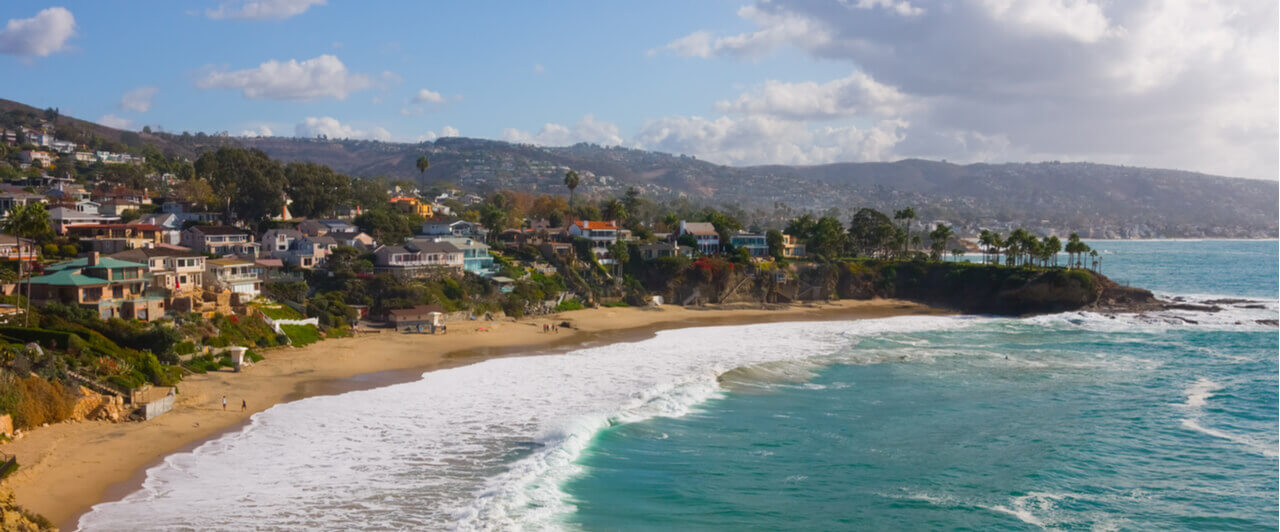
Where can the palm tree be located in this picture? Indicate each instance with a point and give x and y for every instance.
(571, 180)
(938, 240)
(1094, 254)
(1073, 249)
(1018, 246)
(1052, 246)
(984, 241)
(906, 215)
(26, 221)
(615, 210)
(423, 164)
(957, 253)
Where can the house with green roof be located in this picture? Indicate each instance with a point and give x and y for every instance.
(113, 288)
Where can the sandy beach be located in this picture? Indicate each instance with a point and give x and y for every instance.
(69, 467)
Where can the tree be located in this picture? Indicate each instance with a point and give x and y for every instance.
(615, 210)
(571, 180)
(423, 163)
(775, 240)
(957, 253)
(494, 219)
(28, 221)
(1052, 246)
(828, 237)
(386, 225)
(316, 190)
(872, 233)
(938, 240)
(906, 215)
(620, 252)
(252, 184)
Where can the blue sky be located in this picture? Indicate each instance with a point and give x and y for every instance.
(782, 81)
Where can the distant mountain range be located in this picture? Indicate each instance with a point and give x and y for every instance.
(1097, 200)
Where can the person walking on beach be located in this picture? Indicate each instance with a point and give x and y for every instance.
(243, 405)
(224, 402)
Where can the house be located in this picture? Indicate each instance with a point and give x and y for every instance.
(13, 248)
(113, 288)
(475, 254)
(324, 227)
(83, 213)
(662, 249)
(117, 207)
(11, 196)
(296, 249)
(237, 275)
(186, 213)
(453, 227)
(792, 247)
(755, 243)
(63, 146)
(704, 233)
(118, 237)
(418, 257)
(85, 157)
(33, 156)
(421, 316)
(411, 205)
(219, 240)
(179, 272)
(276, 241)
(601, 234)
(356, 239)
(169, 224)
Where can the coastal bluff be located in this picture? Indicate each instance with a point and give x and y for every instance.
(987, 289)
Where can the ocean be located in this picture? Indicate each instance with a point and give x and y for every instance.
(1159, 421)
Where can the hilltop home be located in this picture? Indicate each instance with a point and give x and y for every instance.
(356, 239)
(118, 237)
(14, 196)
(661, 249)
(169, 224)
(111, 287)
(475, 255)
(219, 240)
(411, 205)
(32, 156)
(453, 227)
(601, 234)
(294, 248)
(702, 232)
(240, 276)
(792, 247)
(13, 248)
(185, 213)
(178, 271)
(324, 227)
(418, 257)
(84, 213)
(755, 243)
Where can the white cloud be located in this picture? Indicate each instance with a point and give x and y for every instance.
(411, 111)
(901, 7)
(261, 130)
(426, 96)
(45, 33)
(116, 122)
(588, 129)
(1189, 84)
(261, 9)
(330, 127)
(138, 100)
(857, 94)
(320, 77)
(762, 140)
(538, 68)
(446, 131)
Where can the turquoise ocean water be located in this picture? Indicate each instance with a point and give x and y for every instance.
(1071, 421)
(1158, 421)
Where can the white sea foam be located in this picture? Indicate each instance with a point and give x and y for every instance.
(479, 447)
(1198, 395)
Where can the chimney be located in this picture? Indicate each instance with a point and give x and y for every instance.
(93, 258)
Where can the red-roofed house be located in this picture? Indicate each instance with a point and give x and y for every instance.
(601, 234)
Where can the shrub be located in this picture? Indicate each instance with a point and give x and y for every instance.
(38, 401)
(301, 335)
(569, 304)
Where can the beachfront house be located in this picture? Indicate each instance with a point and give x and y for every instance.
(703, 233)
(662, 249)
(240, 276)
(475, 254)
(178, 271)
(792, 247)
(756, 244)
(601, 234)
(412, 205)
(419, 257)
(83, 213)
(113, 238)
(111, 287)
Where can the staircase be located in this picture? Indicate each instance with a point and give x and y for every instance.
(93, 385)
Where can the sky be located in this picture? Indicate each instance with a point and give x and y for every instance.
(1185, 84)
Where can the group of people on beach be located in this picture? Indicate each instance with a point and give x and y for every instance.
(550, 328)
(244, 405)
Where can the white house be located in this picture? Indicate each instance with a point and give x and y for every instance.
(601, 234)
(704, 233)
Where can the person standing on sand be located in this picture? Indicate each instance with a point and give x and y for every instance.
(243, 405)
(224, 402)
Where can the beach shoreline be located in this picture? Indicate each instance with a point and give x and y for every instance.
(69, 467)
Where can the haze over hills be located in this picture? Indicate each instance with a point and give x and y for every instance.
(1097, 200)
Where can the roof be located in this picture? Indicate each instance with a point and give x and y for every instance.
(270, 263)
(415, 311)
(286, 232)
(346, 235)
(404, 198)
(68, 278)
(218, 229)
(322, 240)
(700, 228)
(103, 262)
(143, 227)
(589, 224)
(10, 239)
(430, 246)
(147, 253)
(225, 261)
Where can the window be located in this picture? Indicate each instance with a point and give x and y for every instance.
(117, 292)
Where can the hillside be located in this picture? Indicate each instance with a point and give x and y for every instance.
(1099, 201)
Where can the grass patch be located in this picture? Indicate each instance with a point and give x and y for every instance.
(615, 304)
(281, 313)
(569, 304)
(254, 357)
(301, 335)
